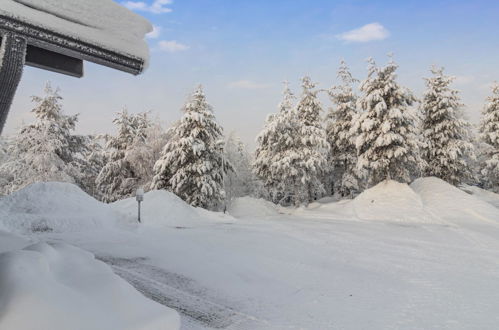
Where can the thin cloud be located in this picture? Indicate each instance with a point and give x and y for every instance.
(172, 46)
(156, 7)
(154, 34)
(366, 33)
(247, 84)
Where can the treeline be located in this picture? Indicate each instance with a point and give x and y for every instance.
(380, 132)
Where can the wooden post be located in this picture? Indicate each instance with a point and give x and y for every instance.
(12, 58)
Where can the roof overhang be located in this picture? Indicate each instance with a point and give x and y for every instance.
(69, 46)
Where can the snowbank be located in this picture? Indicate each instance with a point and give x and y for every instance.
(451, 203)
(252, 207)
(53, 206)
(391, 201)
(482, 194)
(159, 207)
(61, 287)
(101, 22)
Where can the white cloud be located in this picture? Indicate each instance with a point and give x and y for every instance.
(366, 33)
(247, 84)
(154, 34)
(172, 46)
(156, 7)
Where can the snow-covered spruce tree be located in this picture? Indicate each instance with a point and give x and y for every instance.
(313, 147)
(191, 164)
(489, 134)
(94, 161)
(241, 181)
(46, 150)
(276, 158)
(387, 144)
(447, 144)
(342, 177)
(128, 158)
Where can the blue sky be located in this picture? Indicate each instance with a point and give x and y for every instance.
(241, 51)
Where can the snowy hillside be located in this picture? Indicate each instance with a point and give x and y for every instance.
(422, 256)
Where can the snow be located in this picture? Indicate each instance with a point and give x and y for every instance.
(61, 287)
(159, 208)
(453, 204)
(101, 22)
(391, 201)
(252, 207)
(53, 206)
(332, 265)
(482, 194)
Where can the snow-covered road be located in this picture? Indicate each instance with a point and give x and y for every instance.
(317, 268)
(291, 272)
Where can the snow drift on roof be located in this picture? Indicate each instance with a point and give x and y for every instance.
(101, 22)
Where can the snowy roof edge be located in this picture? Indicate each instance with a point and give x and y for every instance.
(71, 46)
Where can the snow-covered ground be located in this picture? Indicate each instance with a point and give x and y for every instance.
(397, 257)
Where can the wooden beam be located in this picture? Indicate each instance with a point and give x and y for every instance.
(12, 55)
(51, 61)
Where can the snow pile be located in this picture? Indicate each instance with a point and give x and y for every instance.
(391, 201)
(482, 194)
(451, 203)
(53, 206)
(159, 207)
(252, 207)
(61, 287)
(101, 22)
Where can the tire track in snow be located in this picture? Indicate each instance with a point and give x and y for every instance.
(182, 294)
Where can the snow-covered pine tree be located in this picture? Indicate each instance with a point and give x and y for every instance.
(94, 161)
(387, 144)
(128, 158)
(241, 181)
(276, 158)
(313, 147)
(192, 163)
(342, 177)
(489, 134)
(46, 150)
(447, 143)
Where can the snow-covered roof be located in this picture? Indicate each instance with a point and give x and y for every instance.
(102, 23)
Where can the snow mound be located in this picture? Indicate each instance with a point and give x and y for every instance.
(61, 287)
(391, 201)
(252, 207)
(101, 22)
(159, 207)
(451, 203)
(53, 206)
(482, 194)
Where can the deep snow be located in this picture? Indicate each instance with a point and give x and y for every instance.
(332, 265)
(51, 287)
